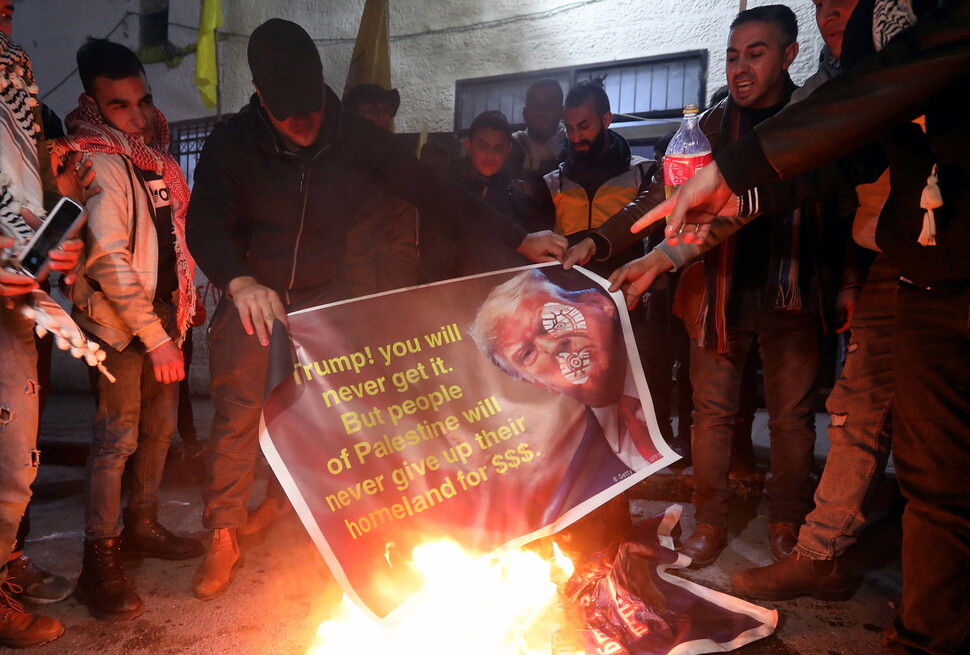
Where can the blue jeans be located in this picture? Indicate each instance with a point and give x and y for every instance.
(860, 432)
(789, 344)
(237, 363)
(18, 422)
(135, 419)
(931, 448)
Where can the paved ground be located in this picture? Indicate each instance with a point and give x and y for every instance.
(284, 590)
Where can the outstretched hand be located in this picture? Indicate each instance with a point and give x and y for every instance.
(692, 207)
(639, 275)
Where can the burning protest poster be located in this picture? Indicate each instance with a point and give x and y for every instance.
(486, 412)
(491, 410)
(628, 600)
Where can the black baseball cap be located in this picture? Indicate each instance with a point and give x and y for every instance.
(286, 68)
(373, 94)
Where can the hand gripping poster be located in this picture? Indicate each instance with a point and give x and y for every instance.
(490, 410)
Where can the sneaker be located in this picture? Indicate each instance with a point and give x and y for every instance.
(18, 627)
(39, 586)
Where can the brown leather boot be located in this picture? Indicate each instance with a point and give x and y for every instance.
(783, 539)
(795, 575)
(102, 585)
(705, 545)
(269, 512)
(221, 561)
(18, 627)
(144, 535)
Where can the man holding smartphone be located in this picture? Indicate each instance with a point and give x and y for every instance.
(136, 298)
(20, 203)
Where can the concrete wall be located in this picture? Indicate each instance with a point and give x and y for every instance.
(434, 42)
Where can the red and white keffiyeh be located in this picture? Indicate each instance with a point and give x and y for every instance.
(88, 132)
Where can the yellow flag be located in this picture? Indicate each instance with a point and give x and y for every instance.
(206, 71)
(422, 139)
(371, 61)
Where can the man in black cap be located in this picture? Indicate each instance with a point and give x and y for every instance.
(283, 181)
(375, 103)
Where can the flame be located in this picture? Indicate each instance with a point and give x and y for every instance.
(504, 604)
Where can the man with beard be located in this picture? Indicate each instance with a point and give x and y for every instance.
(599, 177)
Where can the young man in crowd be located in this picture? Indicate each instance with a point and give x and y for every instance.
(860, 432)
(485, 174)
(772, 302)
(135, 297)
(599, 177)
(282, 180)
(778, 300)
(374, 103)
(538, 148)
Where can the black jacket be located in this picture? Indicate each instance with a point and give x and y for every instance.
(282, 217)
(510, 197)
(925, 70)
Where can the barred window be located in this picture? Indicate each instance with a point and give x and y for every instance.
(186, 144)
(645, 88)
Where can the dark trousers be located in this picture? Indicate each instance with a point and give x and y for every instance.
(237, 363)
(133, 426)
(789, 343)
(931, 449)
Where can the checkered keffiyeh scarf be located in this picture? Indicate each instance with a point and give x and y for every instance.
(20, 186)
(889, 18)
(88, 132)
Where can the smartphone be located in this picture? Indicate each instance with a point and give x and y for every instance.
(63, 222)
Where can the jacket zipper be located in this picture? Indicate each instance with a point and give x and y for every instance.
(304, 189)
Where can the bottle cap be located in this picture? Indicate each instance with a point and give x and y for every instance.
(690, 109)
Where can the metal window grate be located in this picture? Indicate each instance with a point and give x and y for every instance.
(187, 138)
(650, 87)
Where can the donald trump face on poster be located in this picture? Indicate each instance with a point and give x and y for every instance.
(569, 342)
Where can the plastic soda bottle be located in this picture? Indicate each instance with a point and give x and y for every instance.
(688, 152)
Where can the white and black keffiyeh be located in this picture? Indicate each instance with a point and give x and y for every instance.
(20, 186)
(889, 18)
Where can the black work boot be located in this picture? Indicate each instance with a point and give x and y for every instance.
(144, 535)
(20, 628)
(103, 586)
